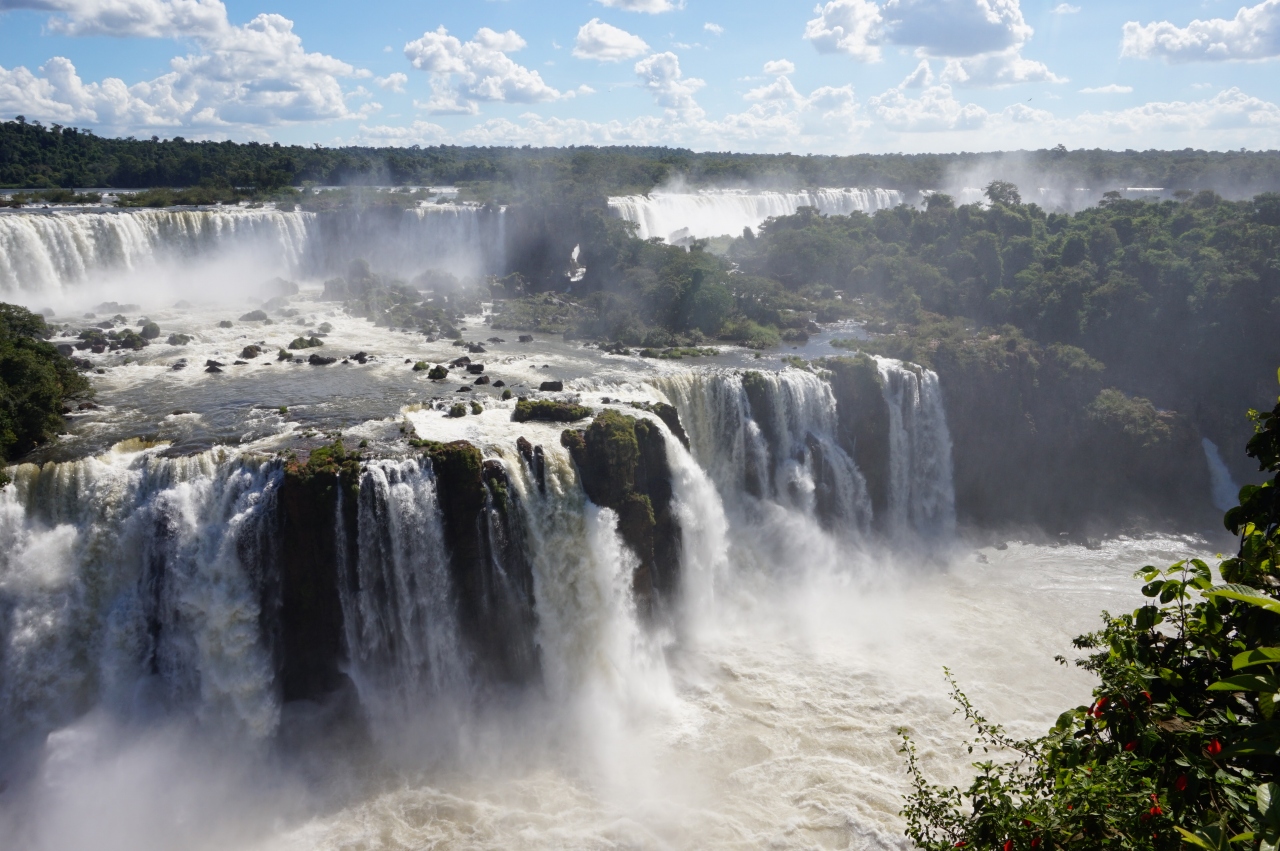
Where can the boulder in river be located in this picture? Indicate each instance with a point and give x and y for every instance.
(320, 360)
(475, 368)
(526, 338)
(551, 386)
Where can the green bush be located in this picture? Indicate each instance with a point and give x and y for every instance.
(36, 381)
(458, 410)
(1181, 745)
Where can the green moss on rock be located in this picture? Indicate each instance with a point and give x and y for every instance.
(548, 410)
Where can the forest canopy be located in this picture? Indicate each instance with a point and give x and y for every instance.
(33, 156)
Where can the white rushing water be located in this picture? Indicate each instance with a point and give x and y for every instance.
(397, 598)
(676, 216)
(131, 582)
(45, 255)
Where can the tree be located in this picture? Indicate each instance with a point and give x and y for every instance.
(36, 381)
(1002, 192)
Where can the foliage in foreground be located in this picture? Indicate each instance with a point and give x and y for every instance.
(1181, 745)
(36, 382)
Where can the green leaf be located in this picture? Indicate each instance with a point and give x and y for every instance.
(1211, 837)
(1257, 656)
(1245, 594)
(1247, 682)
(1268, 796)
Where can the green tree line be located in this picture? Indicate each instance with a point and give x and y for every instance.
(34, 156)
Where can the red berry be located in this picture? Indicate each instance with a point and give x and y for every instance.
(1026, 822)
(1130, 746)
(1213, 748)
(1035, 842)
(1008, 845)
(1181, 783)
(961, 844)
(1147, 695)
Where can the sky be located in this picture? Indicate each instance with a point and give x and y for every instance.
(838, 77)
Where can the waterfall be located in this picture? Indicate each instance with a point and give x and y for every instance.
(595, 653)
(133, 582)
(772, 436)
(776, 438)
(44, 255)
(1224, 490)
(713, 212)
(704, 533)
(398, 606)
(921, 496)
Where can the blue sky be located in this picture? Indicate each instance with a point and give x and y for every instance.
(841, 76)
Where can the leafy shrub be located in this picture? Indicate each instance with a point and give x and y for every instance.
(1181, 744)
(36, 381)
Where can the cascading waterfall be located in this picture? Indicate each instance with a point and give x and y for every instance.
(595, 654)
(133, 582)
(398, 603)
(772, 436)
(921, 497)
(45, 254)
(675, 216)
(48, 254)
(776, 437)
(1223, 487)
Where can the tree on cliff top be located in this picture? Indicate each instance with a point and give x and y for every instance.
(36, 382)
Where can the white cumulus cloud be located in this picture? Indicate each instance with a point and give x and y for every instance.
(853, 27)
(606, 43)
(130, 18)
(249, 77)
(393, 82)
(1253, 34)
(982, 40)
(714, 29)
(465, 73)
(1066, 9)
(1112, 89)
(651, 7)
(780, 66)
(661, 75)
(935, 109)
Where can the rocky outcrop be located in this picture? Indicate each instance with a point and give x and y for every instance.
(622, 462)
(863, 422)
(309, 639)
(548, 410)
(491, 577)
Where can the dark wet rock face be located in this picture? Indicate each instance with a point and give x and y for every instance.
(863, 423)
(491, 575)
(309, 644)
(622, 462)
(551, 386)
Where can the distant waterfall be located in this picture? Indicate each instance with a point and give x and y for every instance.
(714, 212)
(43, 255)
(1224, 490)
